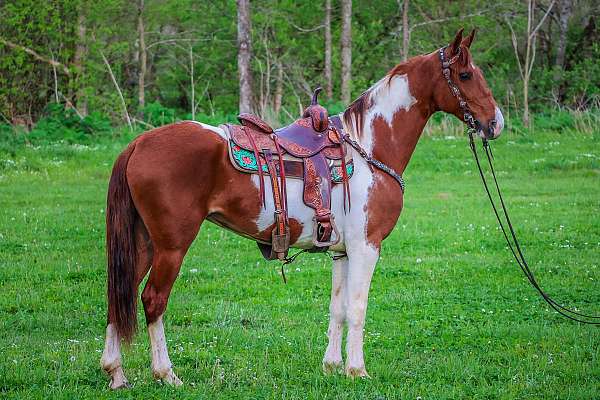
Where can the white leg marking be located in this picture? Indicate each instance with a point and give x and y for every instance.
(362, 260)
(111, 359)
(332, 361)
(161, 364)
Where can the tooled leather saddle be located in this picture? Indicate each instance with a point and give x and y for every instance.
(312, 149)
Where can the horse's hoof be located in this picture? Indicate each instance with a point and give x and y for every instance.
(114, 385)
(169, 378)
(357, 372)
(332, 367)
(117, 379)
(173, 380)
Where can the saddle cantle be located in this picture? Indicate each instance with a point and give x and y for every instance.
(311, 149)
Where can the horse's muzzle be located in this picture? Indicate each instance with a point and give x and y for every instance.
(493, 128)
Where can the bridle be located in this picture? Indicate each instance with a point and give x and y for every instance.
(514, 246)
(472, 123)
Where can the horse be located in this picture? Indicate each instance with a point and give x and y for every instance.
(171, 179)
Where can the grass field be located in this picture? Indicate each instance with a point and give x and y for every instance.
(450, 315)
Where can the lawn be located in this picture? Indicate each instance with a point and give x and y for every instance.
(450, 315)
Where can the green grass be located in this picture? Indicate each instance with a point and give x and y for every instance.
(450, 315)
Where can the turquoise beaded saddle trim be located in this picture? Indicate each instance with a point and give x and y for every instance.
(246, 161)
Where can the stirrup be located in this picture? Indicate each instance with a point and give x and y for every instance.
(280, 243)
(334, 233)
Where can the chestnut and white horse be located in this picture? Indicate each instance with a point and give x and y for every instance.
(169, 180)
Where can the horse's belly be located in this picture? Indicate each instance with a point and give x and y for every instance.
(346, 222)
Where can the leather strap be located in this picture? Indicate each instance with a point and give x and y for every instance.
(282, 177)
(259, 166)
(280, 217)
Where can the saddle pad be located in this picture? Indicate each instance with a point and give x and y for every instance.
(245, 161)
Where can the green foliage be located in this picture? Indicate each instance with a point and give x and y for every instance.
(59, 124)
(186, 35)
(157, 115)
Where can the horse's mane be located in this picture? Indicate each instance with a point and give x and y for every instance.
(355, 113)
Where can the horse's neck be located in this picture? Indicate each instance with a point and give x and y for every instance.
(394, 120)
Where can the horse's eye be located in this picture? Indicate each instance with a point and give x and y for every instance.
(464, 76)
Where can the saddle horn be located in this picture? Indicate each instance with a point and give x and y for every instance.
(315, 100)
(317, 113)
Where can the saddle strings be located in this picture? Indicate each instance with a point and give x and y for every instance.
(518, 254)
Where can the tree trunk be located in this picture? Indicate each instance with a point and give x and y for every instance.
(142, 53)
(346, 44)
(565, 11)
(529, 52)
(405, 31)
(526, 103)
(278, 90)
(79, 60)
(244, 55)
(192, 81)
(328, 75)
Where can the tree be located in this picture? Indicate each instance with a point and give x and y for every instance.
(79, 63)
(346, 45)
(244, 55)
(142, 52)
(405, 31)
(564, 13)
(526, 66)
(565, 9)
(327, 71)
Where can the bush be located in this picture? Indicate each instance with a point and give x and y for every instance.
(59, 123)
(157, 115)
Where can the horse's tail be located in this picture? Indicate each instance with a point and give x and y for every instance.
(121, 250)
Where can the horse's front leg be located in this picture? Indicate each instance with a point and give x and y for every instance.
(362, 260)
(332, 361)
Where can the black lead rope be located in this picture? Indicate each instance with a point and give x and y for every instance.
(289, 260)
(518, 254)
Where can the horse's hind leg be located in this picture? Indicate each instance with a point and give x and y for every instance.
(111, 357)
(165, 269)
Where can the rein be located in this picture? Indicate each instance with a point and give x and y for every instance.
(513, 245)
(374, 162)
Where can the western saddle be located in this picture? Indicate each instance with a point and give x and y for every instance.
(313, 149)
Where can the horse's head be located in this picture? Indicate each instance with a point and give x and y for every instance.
(472, 87)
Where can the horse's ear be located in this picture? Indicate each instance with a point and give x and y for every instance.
(469, 39)
(456, 42)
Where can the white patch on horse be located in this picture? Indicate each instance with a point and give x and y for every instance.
(362, 260)
(161, 364)
(499, 122)
(296, 209)
(332, 361)
(111, 358)
(388, 98)
(351, 225)
(215, 129)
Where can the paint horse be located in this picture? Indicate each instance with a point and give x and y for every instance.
(169, 180)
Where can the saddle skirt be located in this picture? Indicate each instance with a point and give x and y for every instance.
(310, 149)
(242, 156)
